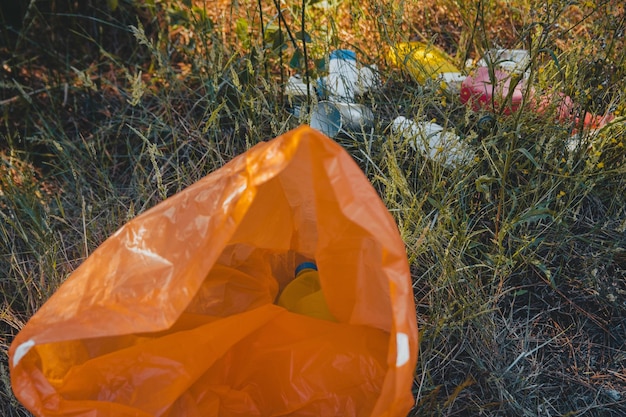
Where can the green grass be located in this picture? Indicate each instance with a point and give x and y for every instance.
(518, 259)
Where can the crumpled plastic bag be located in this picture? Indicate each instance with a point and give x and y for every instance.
(175, 314)
(423, 61)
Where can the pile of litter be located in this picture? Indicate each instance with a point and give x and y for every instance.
(498, 83)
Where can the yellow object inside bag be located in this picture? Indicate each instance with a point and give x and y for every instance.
(304, 294)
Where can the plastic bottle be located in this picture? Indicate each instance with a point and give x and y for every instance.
(333, 118)
(480, 90)
(343, 75)
(434, 142)
(304, 294)
(295, 90)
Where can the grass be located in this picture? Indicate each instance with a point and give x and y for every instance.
(518, 259)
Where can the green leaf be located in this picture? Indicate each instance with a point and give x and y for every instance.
(269, 32)
(553, 56)
(178, 17)
(241, 29)
(435, 203)
(527, 154)
(483, 183)
(535, 215)
(543, 268)
(296, 59)
(278, 41)
(203, 17)
(320, 64)
(303, 36)
(112, 4)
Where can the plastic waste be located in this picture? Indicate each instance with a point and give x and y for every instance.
(567, 111)
(343, 76)
(489, 88)
(434, 142)
(368, 79)
(334, 119)
(175, 315)
(425, 62)
(296, 92)
(515, 61)
(451, 81)
(346, 78)
(304, 294)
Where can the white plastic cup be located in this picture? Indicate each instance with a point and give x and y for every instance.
(434, 142)
(333, 118)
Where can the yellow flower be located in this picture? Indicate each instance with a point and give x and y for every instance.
(561, 194)
(600, 165)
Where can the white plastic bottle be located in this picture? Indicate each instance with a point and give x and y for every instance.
(434, 142)
(295, 90)
(343, 76)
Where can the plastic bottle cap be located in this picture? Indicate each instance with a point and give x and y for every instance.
(305, 265)
(343, 54)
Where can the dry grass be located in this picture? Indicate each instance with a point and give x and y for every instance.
(518, 259)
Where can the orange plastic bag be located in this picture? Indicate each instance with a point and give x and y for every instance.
(175, 314)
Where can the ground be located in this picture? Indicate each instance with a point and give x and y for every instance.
(518, 260)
